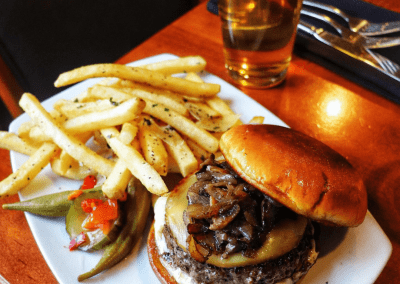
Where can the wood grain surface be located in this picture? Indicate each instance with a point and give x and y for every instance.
(365, 128)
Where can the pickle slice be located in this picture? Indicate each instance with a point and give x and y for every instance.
(95, 239)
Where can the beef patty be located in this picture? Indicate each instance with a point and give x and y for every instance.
(292, 265)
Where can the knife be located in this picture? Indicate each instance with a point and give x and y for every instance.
(367, 42)
(359, 25)
(356, 51)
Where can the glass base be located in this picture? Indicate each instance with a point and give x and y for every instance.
(265, 78)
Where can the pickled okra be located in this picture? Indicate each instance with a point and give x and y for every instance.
(51, 205)
(136, 207)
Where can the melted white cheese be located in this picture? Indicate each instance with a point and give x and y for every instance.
(180, 276)
(159, 221)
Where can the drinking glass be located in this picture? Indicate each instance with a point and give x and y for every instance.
(258, 38)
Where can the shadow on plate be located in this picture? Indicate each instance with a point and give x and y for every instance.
(330, 239)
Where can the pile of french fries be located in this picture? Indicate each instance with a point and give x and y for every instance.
(153, 122)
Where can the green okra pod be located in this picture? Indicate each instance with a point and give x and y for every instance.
(52, 205)
(137, 207)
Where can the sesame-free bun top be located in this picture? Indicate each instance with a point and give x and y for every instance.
(298, 171)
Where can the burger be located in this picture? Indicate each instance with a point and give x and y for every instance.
(253, 216)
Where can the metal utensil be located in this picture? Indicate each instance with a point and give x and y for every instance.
(367, 42)
(388, 65)
(356, 51)
(362, 26)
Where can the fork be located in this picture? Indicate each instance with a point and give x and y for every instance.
(367, 42)
(361, 26)
(388, 65)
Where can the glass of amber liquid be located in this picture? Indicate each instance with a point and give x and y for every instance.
(258, 39)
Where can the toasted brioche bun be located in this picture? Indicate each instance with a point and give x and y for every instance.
(298, 171)
(159, 270)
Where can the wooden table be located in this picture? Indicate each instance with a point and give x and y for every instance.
(366, 131)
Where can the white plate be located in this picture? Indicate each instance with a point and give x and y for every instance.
(355, 255)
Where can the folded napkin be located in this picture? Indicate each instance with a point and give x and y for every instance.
(356, 71)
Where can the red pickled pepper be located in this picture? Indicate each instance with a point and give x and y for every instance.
(89, 204)
(89, 182)
(102, 213)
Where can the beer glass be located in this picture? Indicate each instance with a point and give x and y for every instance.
(258, 38)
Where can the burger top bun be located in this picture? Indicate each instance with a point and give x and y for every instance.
(298, 171)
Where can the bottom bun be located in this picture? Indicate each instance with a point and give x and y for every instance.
(159, 270)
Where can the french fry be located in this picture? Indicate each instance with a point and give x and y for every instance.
(11, 141)
(123, 94)
(201, 111)
(219, 124)
(116, 183)
(128, 133)
(36, 134)
(173, 166)
(229, 117)
(153, 148)
(108, 93)
(257, 120)
(73, 109)
(192, 76)
(176, 146)
(135, 163)
(66, 162)
(125, 85)
(219, 105)
(75, 170)
(140, 75)
(25, 128)
(70, 144)
(179, 65)
(166, 99)
(126, 111)
(29, 170)
(183, 125)
(197, 150)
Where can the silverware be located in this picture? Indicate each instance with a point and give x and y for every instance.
(388, 65)
(367, 42)
(362, 26)
(356, 51)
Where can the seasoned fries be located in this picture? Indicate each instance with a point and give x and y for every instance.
(116, 183)
(183, 124)
(73, 109)
(176, 146)
(153, 148)
(257, 120)
(93, 121)
(139, 75)
(135, 163)
(11, 141)
(68, 143)
(29, 170)
(137, 121)
(179, 65)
